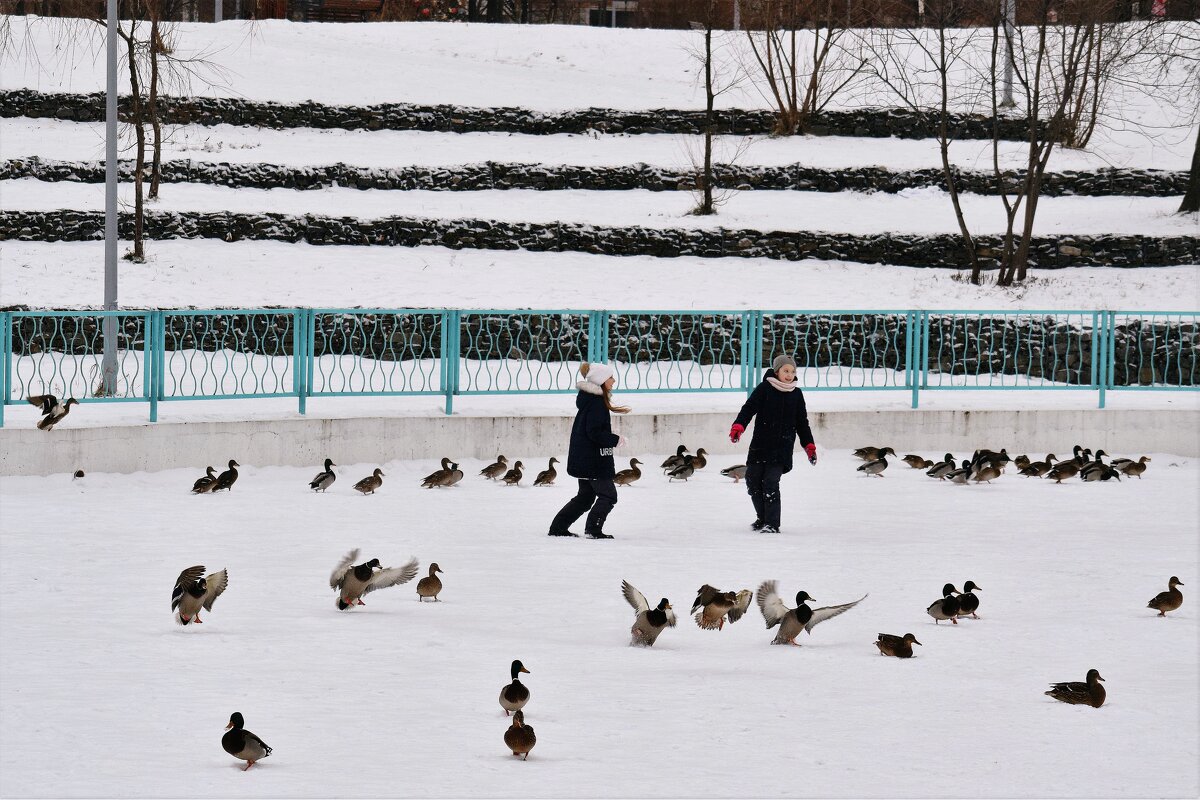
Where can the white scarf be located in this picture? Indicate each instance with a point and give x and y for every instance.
(780, 385)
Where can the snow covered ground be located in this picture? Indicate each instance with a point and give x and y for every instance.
(926, 210)
(103, 695)
(84, 141)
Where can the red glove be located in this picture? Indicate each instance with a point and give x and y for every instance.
(811, 449)
(736, 432)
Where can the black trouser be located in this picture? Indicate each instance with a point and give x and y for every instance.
(762, 483)
(598, 494)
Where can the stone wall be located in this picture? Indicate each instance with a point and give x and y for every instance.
(879, 122)
(496, 175)
(1037, 347)
(912, 250)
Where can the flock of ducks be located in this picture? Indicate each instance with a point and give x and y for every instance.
(985, 466)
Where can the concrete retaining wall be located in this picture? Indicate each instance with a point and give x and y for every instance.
(306, 442)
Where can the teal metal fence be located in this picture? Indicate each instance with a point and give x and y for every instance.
(251, 353)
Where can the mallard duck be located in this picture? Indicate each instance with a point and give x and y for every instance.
(193, 592)
(1037, 469)
(353, 581)
(941, 470)
(960, 475)
(968, 603)
(494, 471)
(737, 472)
(1169, 600)
(53, 411)
(987, 472)
(1062, 470)
(369, 484)
(872, 453)
(946, 608)
(205, 484)
(241, 743)
(875, 467)
(700, 460)
(520, 737)
(999, 459)
(648, 622)
(431, 480)
(713, 605)
(325, 478)
(1095, 463)
(515, 695)
(898, 646)
(455, 475)
(685, 470)
(674, 461)
(546, 477)
(1099, 473)
(1021, 462)
(792, 621)
(916, 462)
(1085, 693)
(514, 475)
(1128, 467)
(627, 477)
(227, 478)
(430, 585)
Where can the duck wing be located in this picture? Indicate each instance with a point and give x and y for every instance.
(339, 572)
(186, 578)
(636, 598)
(216, 585)
(705, 595)
(819, 615)
(771, 604)
(743, 604)
(392, 576)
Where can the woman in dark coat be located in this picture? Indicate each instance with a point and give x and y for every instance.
(591, 455)
(779, 405)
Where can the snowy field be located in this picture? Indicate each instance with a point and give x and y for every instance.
(105, 696)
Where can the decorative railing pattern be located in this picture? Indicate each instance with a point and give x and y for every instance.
(237, 353)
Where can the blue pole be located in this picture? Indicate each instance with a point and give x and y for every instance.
(5, 359)
(299, 357)
(150, 359)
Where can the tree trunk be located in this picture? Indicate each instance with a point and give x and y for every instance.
(1191, 200)
(706, 206)
(138, 119)
(152, 103)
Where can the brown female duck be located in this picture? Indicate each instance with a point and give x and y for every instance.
(495, 470)
(369, 484)
(628, 477)
(430, 585)
(1169, 600)
(546, 477)
(898, 646)
(1085, 693)
(520, 737)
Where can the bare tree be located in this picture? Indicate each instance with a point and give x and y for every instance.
(800, 78)
(720, 75)
(1191, 200)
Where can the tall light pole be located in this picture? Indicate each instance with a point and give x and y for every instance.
(1010, 12)
(109, 326)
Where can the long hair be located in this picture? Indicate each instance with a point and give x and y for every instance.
(584, 368)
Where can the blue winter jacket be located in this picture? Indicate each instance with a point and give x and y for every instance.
(592, 439)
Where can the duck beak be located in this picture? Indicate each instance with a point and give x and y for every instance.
(1099, 678)
(230, 725)
(525, 671)
(916, 642)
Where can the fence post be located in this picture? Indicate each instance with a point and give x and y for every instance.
(150, 362)
(923, 345)
(450, 356)
(299, 359)
(5, 359)
(911, 348)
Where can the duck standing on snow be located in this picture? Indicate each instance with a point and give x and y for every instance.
(1080, 693)
(513, 476)
(241, 743)
(917, 462)
(875, 467)
(495, 470)
(897, 646)
(628, 477)
(685, 470)
(873, 453)
(737, 472)
(674, 461)
(205, 484)
(1169, 600)
(947, 607)
(53, 412)
(369, 484)
(228, 478)
(792, 621)
(430, 585)
(968, 602)
(193, 592)
(712, 606)
(432, 479)
(1128, 467)
(515, 695)
(546, 477)
(447, 477)
(520, 737)
(649, 622)
(353, 581)
(325, 478)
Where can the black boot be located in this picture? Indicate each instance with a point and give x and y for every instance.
(596, 533)
(757, 525)
(563, 533)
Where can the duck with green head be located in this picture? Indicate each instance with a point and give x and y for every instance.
(515, 695)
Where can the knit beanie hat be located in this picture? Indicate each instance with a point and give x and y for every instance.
(781, 360)
(599, 373)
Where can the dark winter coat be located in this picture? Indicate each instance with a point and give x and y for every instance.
(592, 439)
(780, 418)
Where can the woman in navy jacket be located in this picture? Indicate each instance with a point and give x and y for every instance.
(782, 418)
(591, 455)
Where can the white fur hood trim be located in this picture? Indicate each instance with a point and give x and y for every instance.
(590, 388)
